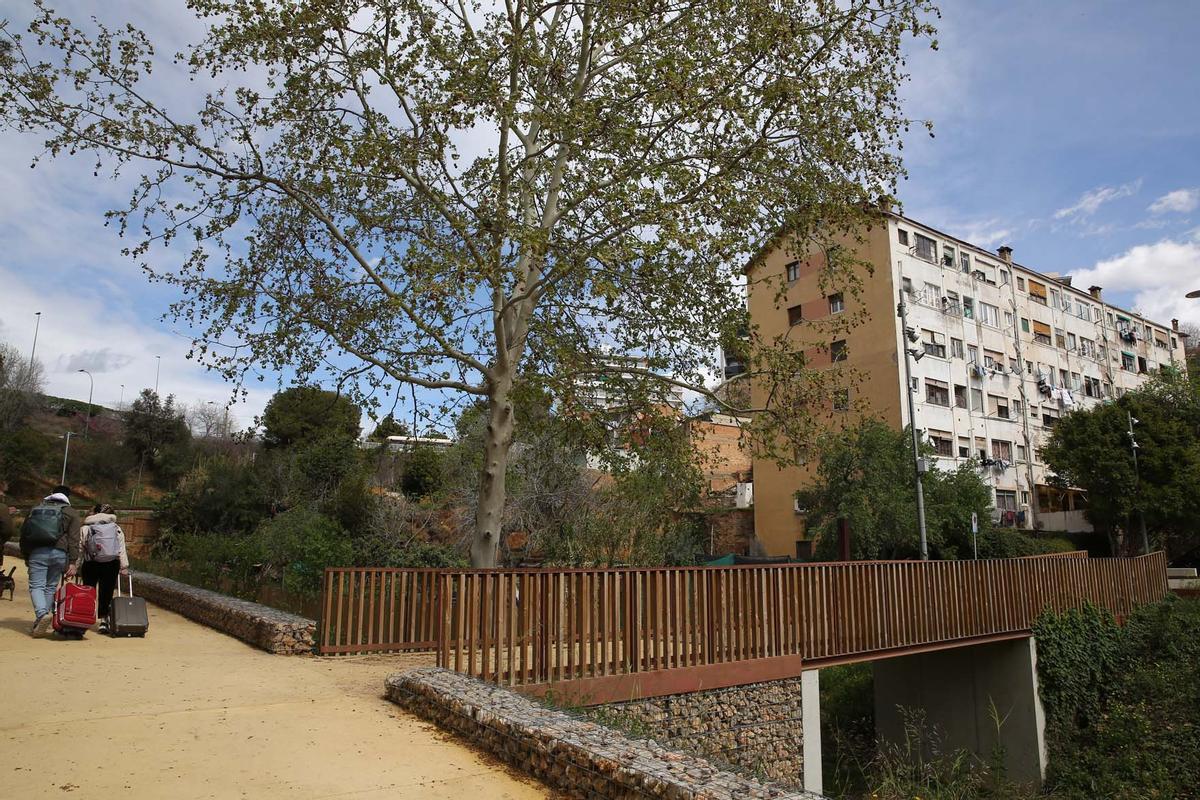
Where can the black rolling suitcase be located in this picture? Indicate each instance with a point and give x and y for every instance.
(127, 615)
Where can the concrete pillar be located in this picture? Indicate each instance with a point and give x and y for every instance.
(810, 712)
(956, 688)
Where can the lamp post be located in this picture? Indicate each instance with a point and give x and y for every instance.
(36, 327)
(87, 425)
(919, 466)
(66, 452)
(157, 372)
(121, 402)
(1137, 477)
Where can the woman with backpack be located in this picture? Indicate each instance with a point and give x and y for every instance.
(102, 558)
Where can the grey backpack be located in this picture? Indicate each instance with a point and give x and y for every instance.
(103, 542)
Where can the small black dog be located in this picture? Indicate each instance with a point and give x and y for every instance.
(7, 584)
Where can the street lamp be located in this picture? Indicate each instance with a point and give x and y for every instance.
(87, 425)
(157, 372)
(66, 452)
(1133, 448)
(919, 466)
(36, 326)
(121, 402)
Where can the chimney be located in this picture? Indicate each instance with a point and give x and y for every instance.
(1175, 325)
(1095, 291)
(1005, 253)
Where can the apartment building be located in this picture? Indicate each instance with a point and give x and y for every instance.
(1003, 352)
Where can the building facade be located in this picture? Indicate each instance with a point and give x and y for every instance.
(1003, 352)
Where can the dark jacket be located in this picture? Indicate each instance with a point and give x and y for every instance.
(68, 539)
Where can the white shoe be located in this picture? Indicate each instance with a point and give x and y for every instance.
(42, 626)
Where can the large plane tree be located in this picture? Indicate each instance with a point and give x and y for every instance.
(485, 199)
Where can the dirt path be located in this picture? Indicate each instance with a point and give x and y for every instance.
(191, 713)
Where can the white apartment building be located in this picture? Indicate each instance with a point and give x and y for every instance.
(1006, 350)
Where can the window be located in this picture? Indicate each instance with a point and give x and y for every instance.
(1020, 283)
(1006, 499)
(1108, 392)
(1002, 449)
(837, 304)
(1037, 292)
(1008, 320)
(1041, 332)
(1049, 418)
(1110, 319)
(947, 256)
(1142, 368)
(936, 392)
(1029, 367)
(793, 271)
(968, 307)
(964, 447)
(932, 292)
(1062, 379)
(837, 350)
(956, 348)
(1016, 409)
(972, 354)
(1076, 382)
(1022, 453)
(964, 262)
(981, 447)
(950, 303)
(998, 406)
(926, 248)
(1128, 362)
(934, 343)
(1091, 386)
(943, 443)
(1071, 342)
(841, 400)
(902, 236)
(993, 359)
(1025, 324)
(1082, 311)
(1087, 347)
(1004, 277)
(960, 396)
(1160, 340)
(977, 400)
(1060, 341)
(1012, 366)
(795, 315)
(1054, 298)
(1025, 498)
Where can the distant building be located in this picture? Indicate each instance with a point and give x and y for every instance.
(1004, 351)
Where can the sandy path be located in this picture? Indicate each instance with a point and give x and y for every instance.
(190, 713)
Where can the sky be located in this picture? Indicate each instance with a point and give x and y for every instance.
(1069, 131)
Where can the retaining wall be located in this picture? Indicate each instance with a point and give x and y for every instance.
(575, 756)
(757, 727)
(262, 626)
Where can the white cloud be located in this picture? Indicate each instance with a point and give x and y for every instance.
(115, 347)
(1180, 201)
(1157, 276)
(1091, 201)
(987, 233)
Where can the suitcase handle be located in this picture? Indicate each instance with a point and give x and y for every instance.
(130, 577)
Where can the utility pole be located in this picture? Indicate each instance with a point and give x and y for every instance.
(66, 452)
(36, 327)
(919, 466)
(1137, 476)
(1026, 433)
(87, 425)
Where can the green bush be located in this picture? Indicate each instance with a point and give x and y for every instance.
(299, 543)
(1121, 702)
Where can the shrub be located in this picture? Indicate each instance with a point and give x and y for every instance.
(300, 543)
(1121, 702)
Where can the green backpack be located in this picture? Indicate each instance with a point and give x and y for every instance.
(42, 528)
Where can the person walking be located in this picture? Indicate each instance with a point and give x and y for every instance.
(49, 541)
(102, 557)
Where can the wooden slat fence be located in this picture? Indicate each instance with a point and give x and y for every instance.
(540, 627)
(376, 610)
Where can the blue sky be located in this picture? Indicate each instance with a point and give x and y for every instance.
(1067, 130)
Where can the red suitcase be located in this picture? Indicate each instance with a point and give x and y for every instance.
(74, 608)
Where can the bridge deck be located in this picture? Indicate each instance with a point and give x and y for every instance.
(604, 634)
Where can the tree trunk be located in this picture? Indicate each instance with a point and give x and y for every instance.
(489, 515)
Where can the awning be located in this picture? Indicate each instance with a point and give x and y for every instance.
(1041, 328)
(1037, 289)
